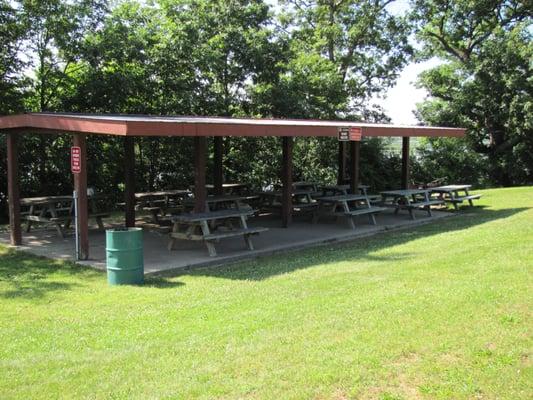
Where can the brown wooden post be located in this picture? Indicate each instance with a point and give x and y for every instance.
(80, 185)
(218, 166)
(405, 163)
(354, 166)
(341, 174)
(129, 181)
(286, 178)
(200, 153)
(13, 188)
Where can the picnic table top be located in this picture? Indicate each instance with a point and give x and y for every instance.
(220, 198)
(44, 200)
(450, 188)
(343, 198)
(162, 193)
(298, 192)
(235, 185)
(342, 187)
(404, 192)
(211, 215)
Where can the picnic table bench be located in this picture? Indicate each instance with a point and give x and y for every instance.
(450, 194)
(348, 206)
(57, 211)
(198, 226)
(410, 199)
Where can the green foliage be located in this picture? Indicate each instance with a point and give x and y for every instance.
(11, 82)
(451, 159)
(486, 82)
(312, 59)
(352, 49)
(379, 169)
(55, 31)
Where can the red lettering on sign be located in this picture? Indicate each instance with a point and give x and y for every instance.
(356, 133)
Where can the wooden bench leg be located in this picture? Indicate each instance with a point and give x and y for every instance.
(155, 217)
(171, 240)
(412, 213)
(28, 226)
(170, 245)
(471, 202)
(455, 205)
(248, 241)
(372, 219)
(429, 211)
(211, 248)
(100, 223)
(60, 230)
(351, 222)
(67, 224)
(204, 226)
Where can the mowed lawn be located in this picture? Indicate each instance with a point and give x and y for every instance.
(442, 311)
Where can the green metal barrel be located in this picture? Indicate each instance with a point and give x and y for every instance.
(124, 250)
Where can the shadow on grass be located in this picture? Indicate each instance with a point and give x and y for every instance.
(357, 249)
(27, 276)
(160, 282)
(23, 275)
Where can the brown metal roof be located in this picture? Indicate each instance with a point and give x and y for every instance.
(143, 125)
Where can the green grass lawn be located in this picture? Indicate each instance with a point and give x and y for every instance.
(443, 311)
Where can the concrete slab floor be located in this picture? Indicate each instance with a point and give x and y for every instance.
(188, 254)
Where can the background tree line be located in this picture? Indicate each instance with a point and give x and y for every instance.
(323, 59)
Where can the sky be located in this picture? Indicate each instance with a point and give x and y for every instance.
(400, 100)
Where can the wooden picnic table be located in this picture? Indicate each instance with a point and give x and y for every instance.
(57, 211)
(160, 202)
(348, 206)
(312, 187)
(334, 190)
(302, 200)
(409, 199)
(199, 226)
(236, 188)
(451, 194)
(214, 203)
(309, 186)
(162, 194)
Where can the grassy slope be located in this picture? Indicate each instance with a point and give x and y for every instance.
(443, 311)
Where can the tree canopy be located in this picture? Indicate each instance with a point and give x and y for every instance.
(298, 59)
(485, 83)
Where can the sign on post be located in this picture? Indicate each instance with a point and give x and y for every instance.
(356, 133)
(344, 134)
(75, 159)
(350, 133)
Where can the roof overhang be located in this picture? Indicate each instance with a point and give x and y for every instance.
(141, 125)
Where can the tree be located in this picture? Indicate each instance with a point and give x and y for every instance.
(485, 82)
(227, 44)
(46, 35)
(55, 32)
(12, 84)
(343, 53)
